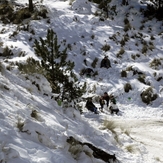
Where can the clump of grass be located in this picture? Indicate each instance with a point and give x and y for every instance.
(120, 53)
(94, 63)
(127, 132)
(144, 49)
(110, 125)
(152, 37)
(130, 148)
(127, 27)
(30, 67)
(123, 73)
(34, 114)
(7, 52)
(92, 36)
(1, 44)
(141, 78)
(106, 47)
(71, 2)
(127, 87)
(122, 42)
(158, 159)
(20, 125)
(126, 21)
(1, 67)
(155, 63)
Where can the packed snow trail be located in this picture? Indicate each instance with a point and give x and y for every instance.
(147, 132)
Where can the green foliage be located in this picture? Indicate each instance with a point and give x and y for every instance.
(8, 13)
(59, 71)
(154, 9)
(105, 9)
(30, 67)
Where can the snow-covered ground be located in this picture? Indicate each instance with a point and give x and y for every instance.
(134, 136)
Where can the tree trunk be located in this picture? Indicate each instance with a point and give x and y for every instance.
(30, 5)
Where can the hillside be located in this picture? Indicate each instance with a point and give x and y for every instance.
(34, 129)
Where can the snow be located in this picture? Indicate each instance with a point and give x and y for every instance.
(138, 129)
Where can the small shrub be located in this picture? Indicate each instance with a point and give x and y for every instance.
(94, 62)
(126, 21)
(122, 42)
(21, 14)
(30, 67)
(152, 37)
(20, 125)
(1, 67)
(22, 54)
(155, 63)
(127, 87)
(15, 33)
(148, 96)
(1, 44)
(127, 132)
(151, 47)
(144, 49)
(95, 73)
(43, 12)
(6, 52)
(141, 27)
(120, 53)
(93, 36)
(69, 46)
(106, 47)
(34, 114)
(141, 78)
(133, 57)
(123, 73)
(158, 159)
(127, 27)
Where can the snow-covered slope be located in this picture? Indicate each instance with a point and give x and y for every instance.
(34, 129)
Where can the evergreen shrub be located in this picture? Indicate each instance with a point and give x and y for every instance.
(58, 70)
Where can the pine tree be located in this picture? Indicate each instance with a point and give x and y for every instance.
(59, 71)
